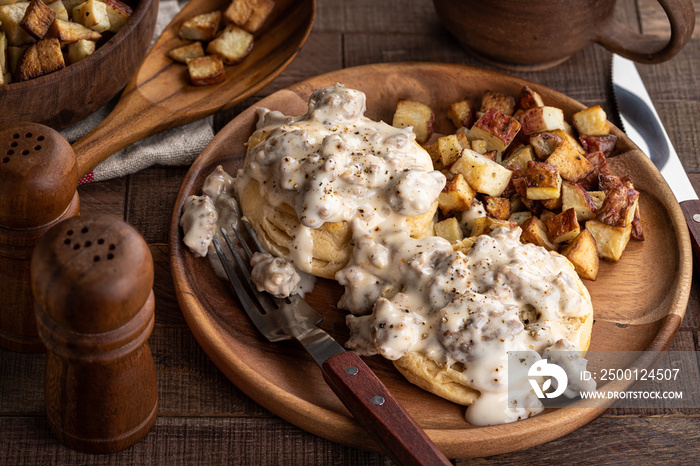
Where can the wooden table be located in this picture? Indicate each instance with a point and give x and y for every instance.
(205, 419)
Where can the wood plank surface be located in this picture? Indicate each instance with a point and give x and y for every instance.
(205, 419)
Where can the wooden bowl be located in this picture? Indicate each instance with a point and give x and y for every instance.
(638, 307)
(67, 96)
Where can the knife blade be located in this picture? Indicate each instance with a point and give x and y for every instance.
(641, 122)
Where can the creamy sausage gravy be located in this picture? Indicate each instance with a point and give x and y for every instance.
(460, 310)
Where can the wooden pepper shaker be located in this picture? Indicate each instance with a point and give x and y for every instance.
(38, 188)
(92, 278)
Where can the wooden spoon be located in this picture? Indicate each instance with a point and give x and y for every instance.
(160, 95)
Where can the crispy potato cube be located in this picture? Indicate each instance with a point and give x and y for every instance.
(600, 167)
(504, 103)
(583, 254)
(497, 207)
(118, 14)
(485, 225)
(461, 113)
(544, 144)
(449, 229)
(417, 115)
(37, 19)
(566, 135)
(546, 215)
(534, 232)
(59, 8)
(598, 198)
(571, 164)
(538, 119)
(529, 99)
(574, 196)
(543, 181)
(592, 121)
(480, 146)
(206, 70)
(619, 206)
(261, 10)
(563, 227)
(496, 128)
(461, 135)
(238, 12)
(92, 14)
(80, 49)
(42, 58)
(449, 149)
(456, 196)
(187, 52)
(11, 16)
(520, 217)
(482, 173)
(464, 245)
(233, 44)
(519, 158)
(68, 31)
(70, 4)
(604, 144)
(433, 151)
(201, 27)
(552, 204)
(610, 241)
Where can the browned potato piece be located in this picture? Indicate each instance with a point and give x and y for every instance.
(574, 196)
(485, 225)
(592, 121)
(233, 44)
(519, 158)
(59, 8)
(538, 119)
(529, 99)
(619, 206)
(461, 113)
(92, 14)
(496, 128)
(449, 229)
(415, 114)
(456, 196)
(79, 50)
(552, 204)
(37, 19)
(543, 181)
(610, 241)
(201, 27)
(68, 31)
(583, 254)
(544, 144)
(11, 16)
(520, 217)
(504, 103)
(449, 148)
(600, 167)
(206, 70)
(42, 58)
(604, 144)
(571, 164)
(563, 227)
(482, 173)
(249, 14)
(497, 207)
(118, 14)
(535, 232)
(187, 52)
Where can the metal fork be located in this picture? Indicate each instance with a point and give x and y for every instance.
(365, 396)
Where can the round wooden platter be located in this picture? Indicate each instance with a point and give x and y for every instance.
(639, 302)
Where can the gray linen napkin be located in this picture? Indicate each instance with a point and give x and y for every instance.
(176, 146)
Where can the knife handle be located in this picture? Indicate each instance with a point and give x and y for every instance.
(691, 211)
(366, 397)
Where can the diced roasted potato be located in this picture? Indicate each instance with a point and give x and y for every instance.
(552, 204)
(529, 99)
(59, 8)
(583, 254)
(600, 167)
(464, 245)
(520, 185)
(482, 173)
(118, 13)
(480, 146)
(80, 49)
(534, 232)
(598, 198)
(563, 227)
(592, 121)
(449, 149)
(461, 113)
(574, 196)
(417, 115)
(92, 14)
(249, 14)
(519, 158)
(504, 103)
(201, 27)
(567, 136)
(520, 217)
(206, 70)
(434, 151)
(42, 58)
(187, 52)
(449, 229)
(496, 128)
(485, 225)
(571, 164)
(543, 181)
(547, 215)
(68, 31)
(619, 206)
(610, 241)
(544, 144)
(233, 44)
(604, 144)
(538, 119)
(37, 19)
(497, 207)
(70, 4)
(11, 16)
(456, 196)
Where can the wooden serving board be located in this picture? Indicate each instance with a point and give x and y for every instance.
(160, 96)
(639, 302)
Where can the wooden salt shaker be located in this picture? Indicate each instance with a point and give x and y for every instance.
(92, 278)
(38, 188)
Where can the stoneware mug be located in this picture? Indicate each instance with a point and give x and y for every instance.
(537, 34)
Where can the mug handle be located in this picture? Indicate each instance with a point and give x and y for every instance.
(620, 39)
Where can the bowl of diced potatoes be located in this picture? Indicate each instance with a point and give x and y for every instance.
(60, 60)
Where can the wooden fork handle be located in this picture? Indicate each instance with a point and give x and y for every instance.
(377, 410)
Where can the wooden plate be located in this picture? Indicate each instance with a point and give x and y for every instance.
(639, 302)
